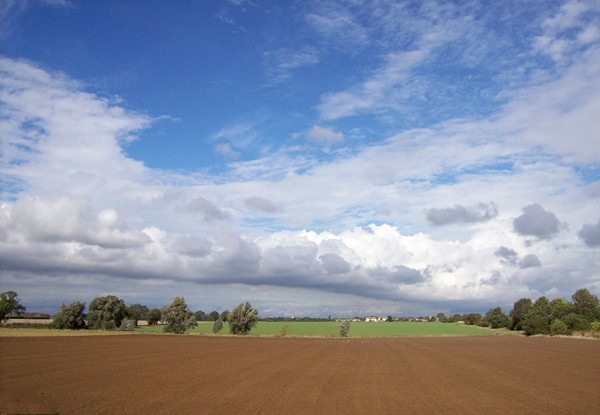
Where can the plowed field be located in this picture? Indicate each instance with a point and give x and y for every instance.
(227, 375)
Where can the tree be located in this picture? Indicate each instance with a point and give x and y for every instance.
(559, 308)
(496, 318)
(586, 305)
(224, 315)
(441, 317)
(214, 315)
(106, 313)
(200, 315)
(217, 326)
(344, 328)
(9, 304)
(455, 318)
(137, 312)
(177, 317)
(242, 319)
(518, 313)
(153, 317)
(575, 322)
(71, 317)
(389, 319)
(537, 320)
(472, 319)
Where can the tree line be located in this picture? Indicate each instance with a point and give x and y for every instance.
(542, 316)
(111, 313)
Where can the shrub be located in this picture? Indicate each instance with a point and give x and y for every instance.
(536, 325)
(558, 328)
(217, 326)
(128, 324)
(71, 317)
(576, 322)
(242, 319)
(283, 331)
(595, 328)
(344, 329)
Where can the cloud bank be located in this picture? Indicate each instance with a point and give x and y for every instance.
(391, 226)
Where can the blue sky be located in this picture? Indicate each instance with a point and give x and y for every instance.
(326, 157)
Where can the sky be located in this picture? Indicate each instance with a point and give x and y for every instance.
(312, 157)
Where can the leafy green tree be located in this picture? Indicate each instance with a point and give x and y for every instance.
(537, 320)
(242, 319)
(441, 317)
(9, 304)
(106, 313)
(214, 315)
(586, 304)
(217, 326)
(137, 312)
(344, 328)
(519, 312)
(389, 319)
(455, 318)
(559, 308)
(575, 322)
(496, 318)
(558, 328)
(200, 315)
(153, 317)
(224, 315)
(177, 317)
(472, 319)
(71, 317)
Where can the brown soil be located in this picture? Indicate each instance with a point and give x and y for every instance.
(229, 375)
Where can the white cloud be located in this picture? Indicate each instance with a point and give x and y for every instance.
(338, 27)
(325, 134)
(104, 217)
(371, 94)
(283, 62)
(573, 26)
(227, 150)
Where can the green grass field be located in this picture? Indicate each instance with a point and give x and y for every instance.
(332, 329)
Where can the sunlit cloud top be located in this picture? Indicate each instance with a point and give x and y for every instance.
(322, 158)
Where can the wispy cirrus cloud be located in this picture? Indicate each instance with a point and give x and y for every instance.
(283, 62)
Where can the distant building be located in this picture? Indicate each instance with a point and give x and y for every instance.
(375, 319)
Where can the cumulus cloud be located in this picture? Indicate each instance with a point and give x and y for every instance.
(104, 217)
(206, 209)
(459, 214)
(509, 256)
(530, 261)
(590, 234)
(536, 221)
(191, 246)
(335, 264)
